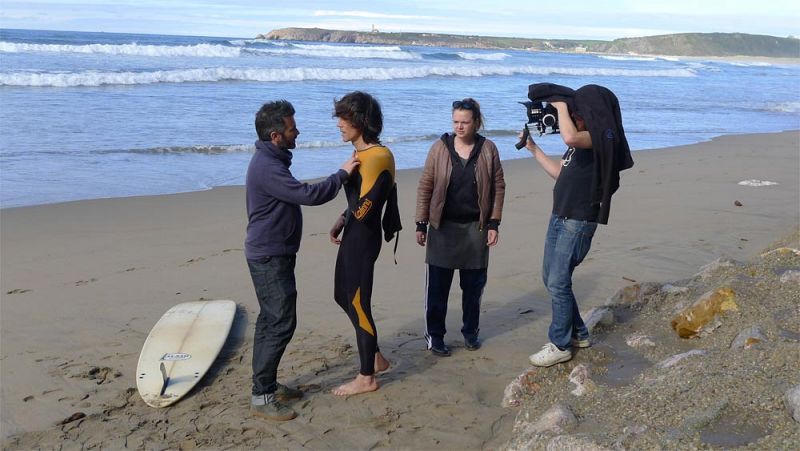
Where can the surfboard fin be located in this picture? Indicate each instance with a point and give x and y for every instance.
(165, 378)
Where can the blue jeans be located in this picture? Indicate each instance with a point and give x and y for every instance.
(568, 242)
(273, 279)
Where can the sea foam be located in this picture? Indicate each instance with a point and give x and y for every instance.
(197, 50)
(221, 74)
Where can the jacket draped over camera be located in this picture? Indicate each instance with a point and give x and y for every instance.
(599, 108)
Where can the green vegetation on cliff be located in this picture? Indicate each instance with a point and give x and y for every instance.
(706, 44)
(684, 44)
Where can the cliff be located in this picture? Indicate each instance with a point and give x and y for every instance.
(706, 44)
(422, 39)
(684, 44)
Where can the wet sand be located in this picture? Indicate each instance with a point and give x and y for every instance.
(83, 282)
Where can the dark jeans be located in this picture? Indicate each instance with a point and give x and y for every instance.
(273, 279)
(472, 282)
(568, 242)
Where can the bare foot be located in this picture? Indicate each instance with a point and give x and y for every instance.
(381, 364)
(361, 384)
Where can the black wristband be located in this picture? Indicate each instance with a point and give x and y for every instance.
(422, 226)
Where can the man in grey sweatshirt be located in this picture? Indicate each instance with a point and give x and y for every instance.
(274, 229)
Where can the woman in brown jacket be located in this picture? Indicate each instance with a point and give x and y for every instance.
(460, 195)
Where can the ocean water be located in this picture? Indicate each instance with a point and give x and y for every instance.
(91, 115)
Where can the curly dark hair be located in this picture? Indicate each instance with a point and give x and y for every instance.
(362, 111)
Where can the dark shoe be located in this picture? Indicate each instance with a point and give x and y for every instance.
(274, 410)
(284, 393)
(472, 344)
(438, 347)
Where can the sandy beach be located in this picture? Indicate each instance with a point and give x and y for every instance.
(82, 284)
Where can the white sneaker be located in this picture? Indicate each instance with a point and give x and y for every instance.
(550, 355)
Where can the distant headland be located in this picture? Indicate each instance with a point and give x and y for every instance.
(682, 44)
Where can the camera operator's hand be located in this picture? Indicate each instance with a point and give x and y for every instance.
(572, 128)
(421, 237)
(530, 144)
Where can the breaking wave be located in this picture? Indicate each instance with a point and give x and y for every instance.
(785, 107)
(197, 50)
(221, 149)
(628, 58)
(339, 51)
(483, 56)
(222, 74)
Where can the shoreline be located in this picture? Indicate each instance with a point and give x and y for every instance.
(85, 281)
(634, 152)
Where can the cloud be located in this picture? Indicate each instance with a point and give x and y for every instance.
(370, 15)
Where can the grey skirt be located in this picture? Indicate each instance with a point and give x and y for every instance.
(457, 246)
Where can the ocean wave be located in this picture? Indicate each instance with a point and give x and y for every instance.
(465, 56)
(785, 107)
(746, 63)
(220, 74)
(698, 66)
(197, 50)
(447, 56)
(483, 56)
(210, 149)
(236, 48)
(628, 58)
(340, 51)
(259, 42)
(221, 149)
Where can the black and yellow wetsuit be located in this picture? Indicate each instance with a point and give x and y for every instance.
(367, 191)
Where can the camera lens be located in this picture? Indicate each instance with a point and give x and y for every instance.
(549, 120)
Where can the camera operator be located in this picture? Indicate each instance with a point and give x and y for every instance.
(585, 178)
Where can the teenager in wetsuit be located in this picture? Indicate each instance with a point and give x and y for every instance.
(367, 190)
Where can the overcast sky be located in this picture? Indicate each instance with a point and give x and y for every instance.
(576, 19)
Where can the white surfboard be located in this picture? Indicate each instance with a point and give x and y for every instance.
(180, 349)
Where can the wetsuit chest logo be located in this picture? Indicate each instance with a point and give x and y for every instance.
(363, 209)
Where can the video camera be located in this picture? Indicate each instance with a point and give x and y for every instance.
(542, 119)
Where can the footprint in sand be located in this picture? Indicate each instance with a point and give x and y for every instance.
(18, 291)
(132, 268)
(216, 254)
(310, 388)
(45, 359)
(193, 261)
(85, 282)
(100, 375)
